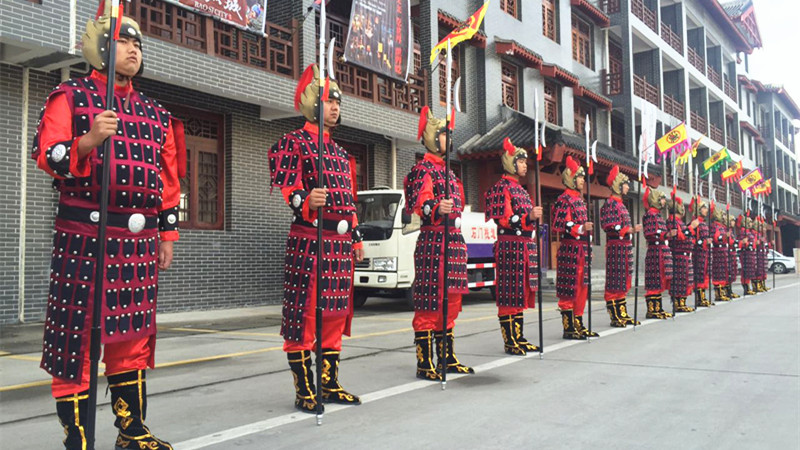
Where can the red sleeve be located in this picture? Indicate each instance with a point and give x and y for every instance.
(507, 211)
(308, 215)
(426, 194)
(57, 127)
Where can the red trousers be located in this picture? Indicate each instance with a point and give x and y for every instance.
(432, 320)
(119, 358)
(578, 304)
(332, 330)
(530, 302)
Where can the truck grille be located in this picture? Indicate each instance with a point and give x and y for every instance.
(365, 264)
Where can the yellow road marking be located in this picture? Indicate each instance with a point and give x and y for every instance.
(237, 354)
(234, 333)
(2, 353)
(25, 357)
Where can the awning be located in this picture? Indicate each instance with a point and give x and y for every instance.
(592, 12)
(559, 73)
(588, 94)
(514, 49)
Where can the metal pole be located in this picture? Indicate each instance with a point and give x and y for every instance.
(712, 202)
(638, 206)
(538, 221)
(587, 128)
(673, 195)
(774, 239)
(447, 141)
(321, 185)
(94, 348)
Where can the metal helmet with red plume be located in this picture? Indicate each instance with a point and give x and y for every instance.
(95, 40)
(306, 95)
(429, 130)
(616, 179)
(571, 172)
(512, 154)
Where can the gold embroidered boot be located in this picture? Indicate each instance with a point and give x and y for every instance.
(582, 329)
(519, 326)
(510, 344)
(423, 340)
(453, 364)
(129, 403)
(621, 306)
(568, 322)
(703, 300)
(71, 411)
(305, 391)
(682, 307)
(730, 292)
(613, 313)
(332, 391)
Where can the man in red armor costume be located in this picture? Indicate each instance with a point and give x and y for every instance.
(293, 162)
(142, 226)
(570, 221)
(426, 196)
(658, 261)
(515, 252)
(682, 282)
(616, 222)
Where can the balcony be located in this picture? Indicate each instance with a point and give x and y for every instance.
(644, 14)
(277, 52)
(699, 122)
(736, 198)
(716, 134)
(695, 60)
(730, 90)
(610, 6)
(673, 107)
(732, 144)
(671, 38)
(612, 83)
(645, 90)
(783, 176)
(714, 76)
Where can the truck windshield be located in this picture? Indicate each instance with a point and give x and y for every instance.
(376, 215)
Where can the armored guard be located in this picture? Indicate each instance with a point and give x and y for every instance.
(700, 254)
(747, 254)
(426, 196)
(515, 252)
(762, 250)
(719, 255)
(616, 222)
(142, 226)
(293, 163)
(733, 256)
(570, 222)
(681, 246)
(658, 261)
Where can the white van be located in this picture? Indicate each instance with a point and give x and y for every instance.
(390, 236)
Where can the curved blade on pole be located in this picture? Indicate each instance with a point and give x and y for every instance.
(457, 94)
(537, 149)
(331, 49)
(448, 137)
(542, 134)
(320, 184)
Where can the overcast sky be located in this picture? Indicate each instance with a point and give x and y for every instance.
(779, 61)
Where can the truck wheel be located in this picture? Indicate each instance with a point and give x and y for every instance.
(359, 298)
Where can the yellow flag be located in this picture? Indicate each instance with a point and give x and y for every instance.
(462, 34)
(751, 179)
(676, 139)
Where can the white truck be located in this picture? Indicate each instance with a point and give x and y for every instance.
(390, 236)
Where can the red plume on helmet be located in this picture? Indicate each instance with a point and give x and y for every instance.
(509, 147)
(679, 200)
(646, 196)
(739, 221)
(305, 80)
(612, 175)
(572, 165)
(423, 122)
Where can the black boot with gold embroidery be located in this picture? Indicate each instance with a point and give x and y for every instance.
(305, 392)
(729, 290)
(519, 327)
(661, 313)
(71, 411)
(423, 340)
(613, 313)
(652, 307)
(453, 364)
(681, 306)
(582, 329)
(702, 300)
(621, 305)
(510, 343)
(568, 322)
(129, 403)
(720, 295)
(748, 290)
(332, 391)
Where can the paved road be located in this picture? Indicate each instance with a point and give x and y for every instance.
(725, 377)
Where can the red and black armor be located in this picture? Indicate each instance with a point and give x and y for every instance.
(616, 222)
(510, 205)
(748, 255)
(733, 253)
(293, 167)
(658, 262)
(719, 254)
(681, 245)
(144, 194)
(569, 214)
(425, 188)
(700, 254)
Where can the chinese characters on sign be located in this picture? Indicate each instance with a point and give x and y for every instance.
(245, 14)
(379, 37)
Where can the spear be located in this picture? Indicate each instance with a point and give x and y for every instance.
(674, 187)
(638, 207)
(586, 129)
(447, 142)
(538, 149)
(712, 201)
(774, 239)
(99, 276)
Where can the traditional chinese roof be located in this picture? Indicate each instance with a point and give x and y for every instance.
(599, 99)
(596, 15)
(561, 74)
(451, 21)
(514, 49)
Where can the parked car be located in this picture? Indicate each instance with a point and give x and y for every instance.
(781, 263)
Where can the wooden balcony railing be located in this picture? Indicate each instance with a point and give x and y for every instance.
(673, 107)
(277, 52)
(699, 122)
(671, 38)
(715, 133)
(732, 144)
(612, 83)
(645, 14)
(610, 6)
(714, 76)
(730, 90)
(695, 60)
(783, 176)
(645, 90)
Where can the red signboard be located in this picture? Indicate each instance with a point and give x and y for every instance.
(245, 14)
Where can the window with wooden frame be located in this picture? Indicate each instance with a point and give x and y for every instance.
(202, 204)
(510, 85)
(511, 7)
(551, 103)
(582, 41)
(581, 111)
(550, 19)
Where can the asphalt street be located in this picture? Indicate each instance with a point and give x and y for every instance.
(724, 377)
